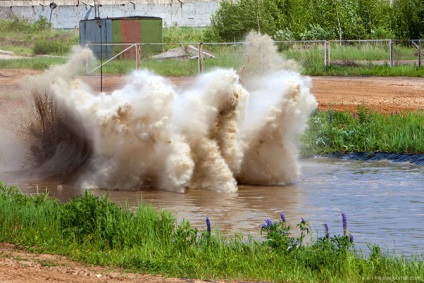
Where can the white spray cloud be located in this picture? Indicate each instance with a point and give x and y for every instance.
(212, 135)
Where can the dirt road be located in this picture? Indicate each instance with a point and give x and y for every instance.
(338, 93)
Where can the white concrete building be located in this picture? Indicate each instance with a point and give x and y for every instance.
(67, 13)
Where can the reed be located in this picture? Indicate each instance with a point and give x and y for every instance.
(94, 230)
(364, 130)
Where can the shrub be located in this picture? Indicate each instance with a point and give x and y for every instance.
(50, 47)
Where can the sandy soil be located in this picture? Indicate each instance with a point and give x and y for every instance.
(18, 266)
(338, 93)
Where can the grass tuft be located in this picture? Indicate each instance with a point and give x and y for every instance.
(364, 131)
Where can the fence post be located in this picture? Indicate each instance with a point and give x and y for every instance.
(138, 55)
(420, 53)
(200, 58)
(86, 61)
(326, 53)
(391, 52)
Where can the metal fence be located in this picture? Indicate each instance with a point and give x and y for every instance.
(192, 58)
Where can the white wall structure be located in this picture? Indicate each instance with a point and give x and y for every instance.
(68, 13)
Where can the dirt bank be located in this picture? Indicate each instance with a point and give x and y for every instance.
(18, 266)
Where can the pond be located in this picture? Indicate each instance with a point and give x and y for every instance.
(383, 201)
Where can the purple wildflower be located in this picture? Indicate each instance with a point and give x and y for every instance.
(354, 115)
(344, 221)
(327, 234)
(208, 225)
(264, 226)
(331, 116)
(298, 244)
(269, 222)
(351, 238)
(283, 217)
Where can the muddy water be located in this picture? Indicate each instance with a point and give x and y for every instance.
(384, 202)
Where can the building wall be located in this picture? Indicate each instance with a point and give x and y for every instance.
(67, 14)
(9, 3)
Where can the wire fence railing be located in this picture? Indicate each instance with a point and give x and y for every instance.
(192, 58)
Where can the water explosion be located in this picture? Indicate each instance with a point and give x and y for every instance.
(214, 134)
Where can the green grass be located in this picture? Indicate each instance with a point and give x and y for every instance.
(27, 39)
(183, 34)
(369, 70)
(37, 63)
(364, 131)
(360, 52)
(94, 230)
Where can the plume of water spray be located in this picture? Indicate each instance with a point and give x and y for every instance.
(261, 57)
(213, 135)
(280, 104)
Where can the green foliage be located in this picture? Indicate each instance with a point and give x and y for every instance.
(178, 35)
(408, 19)
(320, 19)
(364, 131)
(283, 35)
(24, 38)
(88, 217)
(20, 25)
(316, 32)
(53, 47)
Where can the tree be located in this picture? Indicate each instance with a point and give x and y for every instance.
(408, 19)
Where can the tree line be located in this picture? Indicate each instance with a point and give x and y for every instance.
(319, 19)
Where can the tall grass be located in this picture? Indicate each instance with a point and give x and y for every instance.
(183, 34)
(25, 38)
(37, 63)
(94, 230)
(365, 70)
(363, 131)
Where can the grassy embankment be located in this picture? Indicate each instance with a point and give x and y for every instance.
(364, 131)
(94, 230)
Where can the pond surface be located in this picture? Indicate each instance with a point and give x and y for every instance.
(383, 201)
